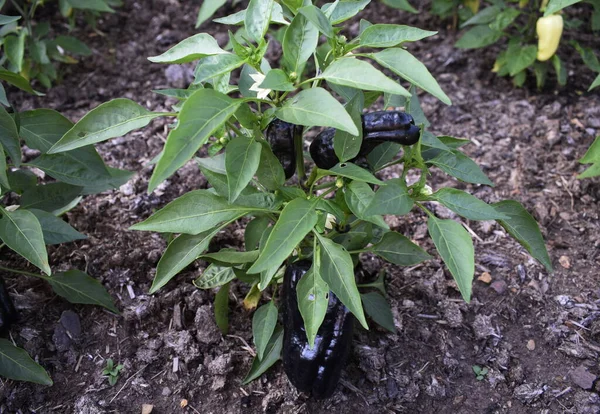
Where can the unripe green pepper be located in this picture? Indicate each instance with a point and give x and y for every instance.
(549, 30)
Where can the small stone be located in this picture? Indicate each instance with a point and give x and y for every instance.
(147, 408)
(207, 330)
(582, 377)
(565, 262)
(531, 345)
(485, 277)
(72, 324)
(166, 391)
(482, 326)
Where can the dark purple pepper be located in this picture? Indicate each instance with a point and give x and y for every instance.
(280, 136)
(317, 370)
(378, 127)
(8, 313)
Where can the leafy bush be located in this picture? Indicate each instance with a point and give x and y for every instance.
(533, 31)
(28, 47)
(335, 214)
(30, 210)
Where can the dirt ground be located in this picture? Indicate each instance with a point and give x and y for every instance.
(538, 334)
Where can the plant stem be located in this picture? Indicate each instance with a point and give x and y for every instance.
(235, 129)
(359, 251)
(23, 272)
(299, 149)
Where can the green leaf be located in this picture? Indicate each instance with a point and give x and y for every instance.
(242, 158)
(354, 172)
(231, 257)
(299, 43)
(398, 249)
(9, 136)
(42, 128)
(316, 107)
(466, 205)
(344, 10)
(358, 196)
(485, 16)
(595, 83)
(8, 19)
(201, 115)
(401, 5)
(277, 80)
(3, 98)
(16, 364)
(408, 67)
(96, 5)
(264, 322)
(4, 183)
(14, 47)
(271, 355)
(192, 213)
(194, 47)
(179, 254)
(592, 156)
(391, 198)
(258, 16)
(254, 231)
(55, 230)
(559, 68)
(313, 299)
(296, 220)
(239, 17)
(390, 35)
(77, 287)
(108, 120)
(207, 9)
(522, 59)
(215, 164)
(270, 172)
(455, 246)
(21, 231)
(523, 227)
(458, 165)
(379, 310)
(318, 18)
(73, 45)
(357, 238)
(214, 276)
(17, 80)
(222, 309)
(49, 197)
(216, 65)
(477, 37)
(337, 270)
(21, 180)
(557, 5)
(361, 75)
(345, 145)
(382, 154)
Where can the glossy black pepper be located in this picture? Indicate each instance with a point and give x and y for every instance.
(280, 136)
(378, 127)
(317, 370)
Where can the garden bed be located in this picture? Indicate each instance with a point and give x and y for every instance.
(538, 334)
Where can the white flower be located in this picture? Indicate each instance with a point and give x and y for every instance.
(330, 221)
(258, 78)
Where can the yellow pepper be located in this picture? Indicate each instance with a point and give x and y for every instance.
(472, 4)
(549, 30)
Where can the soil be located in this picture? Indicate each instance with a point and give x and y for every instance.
(538, 334)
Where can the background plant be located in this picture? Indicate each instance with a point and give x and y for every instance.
(516, 21)
(31, 209)
(29, 45)
(291, 219)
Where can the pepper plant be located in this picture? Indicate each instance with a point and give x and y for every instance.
(533, 30)
(28, 45)
(331, 216)
(31, 210)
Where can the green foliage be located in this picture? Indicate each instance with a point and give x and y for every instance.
(112, 371)
(480, 372)
(516, 22)
(329, 216)
(592, 156)
(32, 51)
